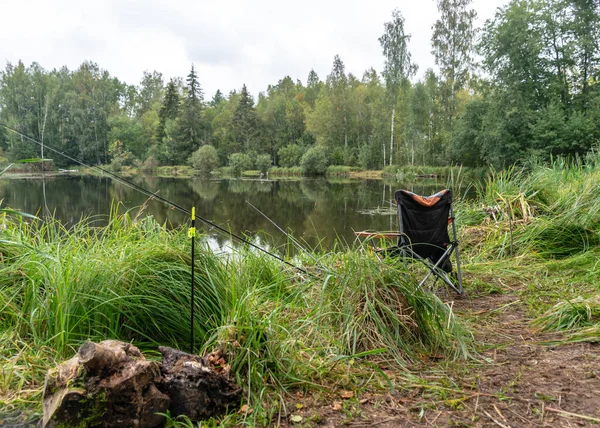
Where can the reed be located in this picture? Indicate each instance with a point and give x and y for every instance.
(281, 329)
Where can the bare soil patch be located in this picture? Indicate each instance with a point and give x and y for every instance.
(516, 380)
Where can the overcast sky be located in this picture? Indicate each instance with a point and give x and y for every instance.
(230, 42)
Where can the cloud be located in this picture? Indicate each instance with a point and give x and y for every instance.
(231, 42)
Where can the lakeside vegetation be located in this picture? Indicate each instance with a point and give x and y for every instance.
(534, 94)
(353, 320)
(525, 120)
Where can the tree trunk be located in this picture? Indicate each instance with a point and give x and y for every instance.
(345, 132)
(392, 136)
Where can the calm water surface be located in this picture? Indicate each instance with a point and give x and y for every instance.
(316, 211)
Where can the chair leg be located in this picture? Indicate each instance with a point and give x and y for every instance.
(458, 271)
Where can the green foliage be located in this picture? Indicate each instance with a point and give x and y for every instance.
(205, 160)
(131, 281)
(314, 161)
(539, 98)
(452, 47)
(263, 163)
(341, 170)
(149, 165)
(576, 313)
(239, 162)
(119, 156)
(290, 156)
(292, 171)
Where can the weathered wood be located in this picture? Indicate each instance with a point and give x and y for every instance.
(111, 384)
(107, 384)
(195, 389)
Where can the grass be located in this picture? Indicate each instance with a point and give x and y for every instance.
(407, 172)
(341, 170)
(282, 171)
(131, 279)
(356, 321)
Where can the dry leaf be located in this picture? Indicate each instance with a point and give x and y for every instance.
(336, 405)
(299, 406)
(245, 409)
(296, 418)
(347, 394)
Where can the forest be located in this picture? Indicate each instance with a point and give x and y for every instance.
(524, 88)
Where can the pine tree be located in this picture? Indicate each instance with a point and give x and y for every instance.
(245, 122)
(189, 127)
(169, 109)
(217, 99)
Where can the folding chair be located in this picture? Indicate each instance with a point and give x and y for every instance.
(423, 235)
(423, 223)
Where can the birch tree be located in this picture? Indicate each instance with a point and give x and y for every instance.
(398, 66)
(452, 47)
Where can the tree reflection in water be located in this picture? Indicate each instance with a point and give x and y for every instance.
(314, 211)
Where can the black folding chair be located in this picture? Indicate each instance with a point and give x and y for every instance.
(423, 223)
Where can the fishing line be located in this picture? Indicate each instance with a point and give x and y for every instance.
(156, 196)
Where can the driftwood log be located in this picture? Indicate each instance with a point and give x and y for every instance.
(111, 384)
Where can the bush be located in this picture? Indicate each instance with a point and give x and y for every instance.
(239, 162)
(290, 156)
(205, 160)
(263, 163)
(314, 161)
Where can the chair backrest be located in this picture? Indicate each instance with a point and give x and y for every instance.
(423, 220)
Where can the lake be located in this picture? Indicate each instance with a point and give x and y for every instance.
(316, 212)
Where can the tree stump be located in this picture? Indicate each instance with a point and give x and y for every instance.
(195, 389)
(111, 384)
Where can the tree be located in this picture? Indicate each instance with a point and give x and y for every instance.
(17, 109)
(189, 124)
(150, 92)
(398, 66)
(217, 99)
(205, 159)
(169, 108)
(337, 83)
(452, 47)
(313, 87)
(586, 32)
(290, 155)
(263, 163)
(239, 162)
(314, 161)
(245, 122)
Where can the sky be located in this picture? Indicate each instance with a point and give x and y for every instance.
(230, 42)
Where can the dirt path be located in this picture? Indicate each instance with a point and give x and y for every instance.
(518, 382)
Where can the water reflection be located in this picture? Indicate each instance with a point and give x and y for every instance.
(314, 211)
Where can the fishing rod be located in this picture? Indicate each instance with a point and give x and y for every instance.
(289, 236)
(156, 196)
(192, 214)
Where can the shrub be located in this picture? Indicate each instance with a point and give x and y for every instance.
(290, 156)
(314, 161)
(263, 163)
(239, 162)
(149, 165)
(205, 160)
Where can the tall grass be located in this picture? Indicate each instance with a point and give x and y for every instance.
(282, 171)
(130, 280)
(544, 222)
(280, 329)
(554, 210)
